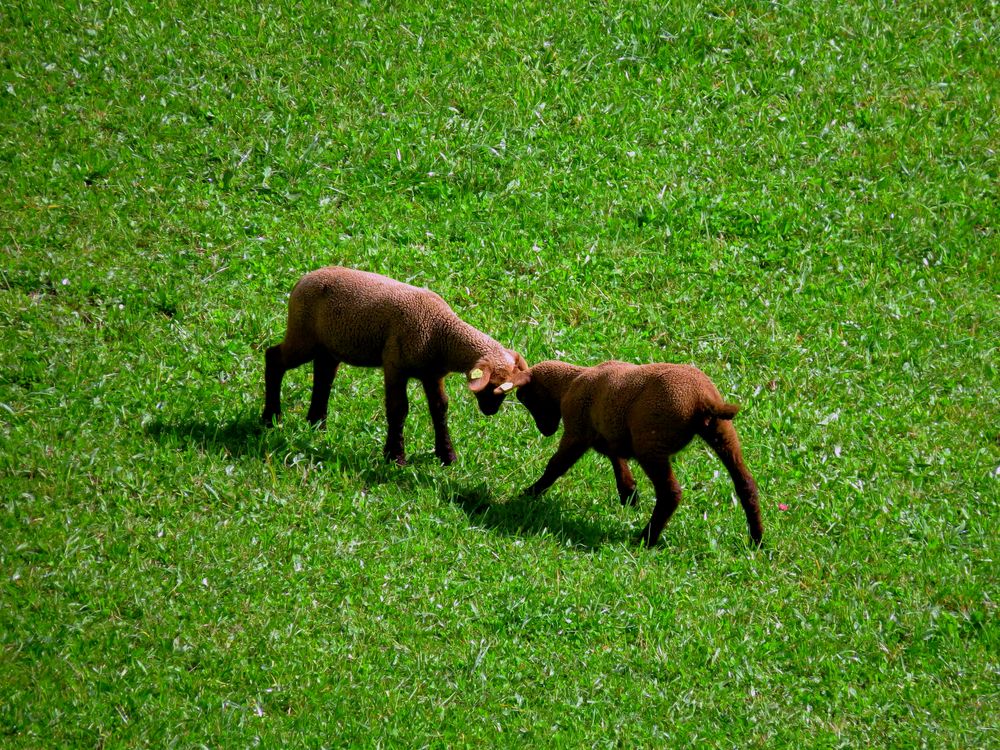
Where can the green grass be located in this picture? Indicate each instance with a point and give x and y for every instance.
(801, 199)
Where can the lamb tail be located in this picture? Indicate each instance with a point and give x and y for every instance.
(722, 410)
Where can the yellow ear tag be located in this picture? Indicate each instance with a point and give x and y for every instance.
(475, 374)
(506, 386)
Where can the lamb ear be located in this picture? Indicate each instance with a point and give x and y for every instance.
(519, 378)
(520, 364)
(479, 378)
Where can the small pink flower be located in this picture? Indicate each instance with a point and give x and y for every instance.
(782, 506)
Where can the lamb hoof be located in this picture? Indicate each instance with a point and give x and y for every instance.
(446, 456)
(270, 419)
(395, 458)
(643, 540)
(632, 499)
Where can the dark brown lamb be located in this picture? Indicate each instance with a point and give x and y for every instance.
(646, 412)
(340, 315)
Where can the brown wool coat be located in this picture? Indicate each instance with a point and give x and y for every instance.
(340, 315)
(646, 412)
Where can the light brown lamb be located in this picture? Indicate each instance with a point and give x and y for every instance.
(340, 315)
(646, 412)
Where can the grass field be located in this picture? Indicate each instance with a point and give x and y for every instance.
(800, 198)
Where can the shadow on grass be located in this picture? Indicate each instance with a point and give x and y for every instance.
(522, 515)
(242, 436)
(246, 437)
